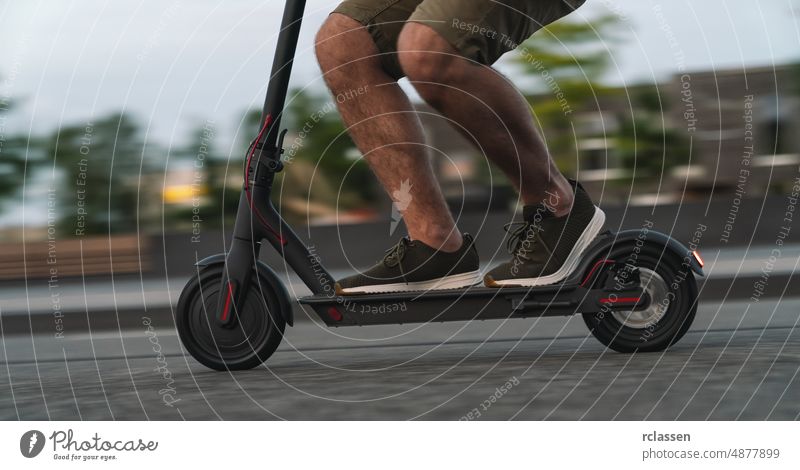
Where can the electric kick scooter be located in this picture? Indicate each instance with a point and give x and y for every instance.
(636, 289)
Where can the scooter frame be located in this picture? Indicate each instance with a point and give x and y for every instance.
(588, 289)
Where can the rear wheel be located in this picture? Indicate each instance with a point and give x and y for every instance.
(250, 340)
(672, 292)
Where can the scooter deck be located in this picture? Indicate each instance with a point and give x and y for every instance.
(581, 292)
(473, 303)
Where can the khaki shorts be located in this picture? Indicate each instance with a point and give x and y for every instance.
(480, 30)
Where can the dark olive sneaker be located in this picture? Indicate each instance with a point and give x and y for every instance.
(545, 248)
(414, 266)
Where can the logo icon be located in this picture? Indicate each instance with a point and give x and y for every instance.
(31, 443)
(401, 200)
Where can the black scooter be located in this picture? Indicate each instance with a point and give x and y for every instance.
(635, 289)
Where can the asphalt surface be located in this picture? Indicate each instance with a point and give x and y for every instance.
(739, 361)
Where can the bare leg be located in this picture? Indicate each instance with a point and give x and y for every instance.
(490, 109)
(382, 122)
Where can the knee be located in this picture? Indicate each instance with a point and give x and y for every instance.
(329, 43)
(428, 60)
(341, 44)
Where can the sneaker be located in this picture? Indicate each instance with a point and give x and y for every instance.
(414, 266)
(545, 249)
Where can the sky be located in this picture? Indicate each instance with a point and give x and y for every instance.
(177, 63)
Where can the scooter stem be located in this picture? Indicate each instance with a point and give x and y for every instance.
(256, 218)
(282, 69)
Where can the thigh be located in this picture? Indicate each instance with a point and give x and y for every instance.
(384, 19)
(484, 30)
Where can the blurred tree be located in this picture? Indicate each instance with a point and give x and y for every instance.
(328, 145)
(566, 58)
(320, 158)
(646, 146)
(13, 155)
(223, 187)
(216, 181)
(104, 166)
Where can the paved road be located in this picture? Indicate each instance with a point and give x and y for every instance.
(740, 360)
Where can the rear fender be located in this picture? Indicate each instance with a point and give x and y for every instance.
(597, 251)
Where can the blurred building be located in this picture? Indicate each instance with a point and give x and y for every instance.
(744, 118)
(735, 130)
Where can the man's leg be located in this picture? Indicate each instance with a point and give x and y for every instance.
(490, 109)
(557, 231)
(385, 128)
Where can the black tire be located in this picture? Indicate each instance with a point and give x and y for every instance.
(252, 339)
(652, 330)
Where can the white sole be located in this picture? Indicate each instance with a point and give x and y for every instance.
(456, 281)
(586, 238)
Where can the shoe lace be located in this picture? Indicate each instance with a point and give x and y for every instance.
(396, 253)
(518, 234)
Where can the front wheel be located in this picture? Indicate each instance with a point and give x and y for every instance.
(672, 292)
(248, 342)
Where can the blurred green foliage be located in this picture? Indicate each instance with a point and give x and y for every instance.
(13, 157)
(566, 59)
(98, 167)
(647, 147)
(323, 164)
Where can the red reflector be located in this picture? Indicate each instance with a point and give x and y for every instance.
(334, 314)
(696, 255)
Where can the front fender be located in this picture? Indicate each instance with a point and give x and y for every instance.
(607, 240)
(268, 278)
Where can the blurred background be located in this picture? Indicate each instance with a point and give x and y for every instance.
(123, 127)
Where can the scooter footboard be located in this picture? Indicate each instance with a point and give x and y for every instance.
(476, 303)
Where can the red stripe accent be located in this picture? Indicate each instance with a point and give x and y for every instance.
(618, 300)
(335, 314)
(267, 122)
(594, 268)
(227, 307)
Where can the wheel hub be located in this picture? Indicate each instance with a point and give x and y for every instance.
(656, 288)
